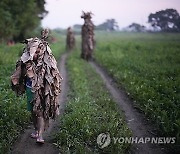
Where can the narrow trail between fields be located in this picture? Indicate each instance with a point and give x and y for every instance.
(136, 121)
(27, 145)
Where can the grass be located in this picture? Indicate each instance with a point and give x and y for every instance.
(13, 114)
(58, 48)
(148, 67)
(90, 111)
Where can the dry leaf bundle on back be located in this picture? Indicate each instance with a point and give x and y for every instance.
(87, 33)
(70, 39)
(38, 64)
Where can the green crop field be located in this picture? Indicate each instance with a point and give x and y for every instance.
(90, 112)
(13, 114)
(147, 66)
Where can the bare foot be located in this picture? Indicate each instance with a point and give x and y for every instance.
(40, 140)
(34, 135)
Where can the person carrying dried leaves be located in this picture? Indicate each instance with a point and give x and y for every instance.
(88, 42)
(70, 39)
(37, 74)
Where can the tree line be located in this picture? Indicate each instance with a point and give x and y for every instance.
(19, 18)
(165, 20)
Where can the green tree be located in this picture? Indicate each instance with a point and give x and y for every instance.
(109, 25)
(7, 25)
(136, 27)
(41, 8)
(20, 18)
(166, 20)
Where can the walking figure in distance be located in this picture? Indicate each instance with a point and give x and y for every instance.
(87, 33)
(70, 40)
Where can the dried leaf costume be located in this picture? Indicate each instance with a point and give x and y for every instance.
(70, 39)
(87, 33)
(44, 75)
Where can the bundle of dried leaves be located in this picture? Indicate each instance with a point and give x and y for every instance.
(38, 64)
(70, 39)
(88, 42)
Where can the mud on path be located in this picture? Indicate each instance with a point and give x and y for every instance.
(27, 145)
(136, 121)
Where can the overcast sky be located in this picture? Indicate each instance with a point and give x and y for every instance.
(64, 13)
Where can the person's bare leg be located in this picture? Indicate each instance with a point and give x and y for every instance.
(34, 120)
(40, 122)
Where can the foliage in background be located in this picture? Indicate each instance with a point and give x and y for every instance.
(167, 20)
(148, 67)
(19, 18)
(135, 27)
(108, 25)
(90, 111)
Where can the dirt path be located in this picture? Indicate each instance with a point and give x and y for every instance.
(136, 121)
(27, 145)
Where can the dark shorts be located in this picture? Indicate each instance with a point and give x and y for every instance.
(29, 99)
